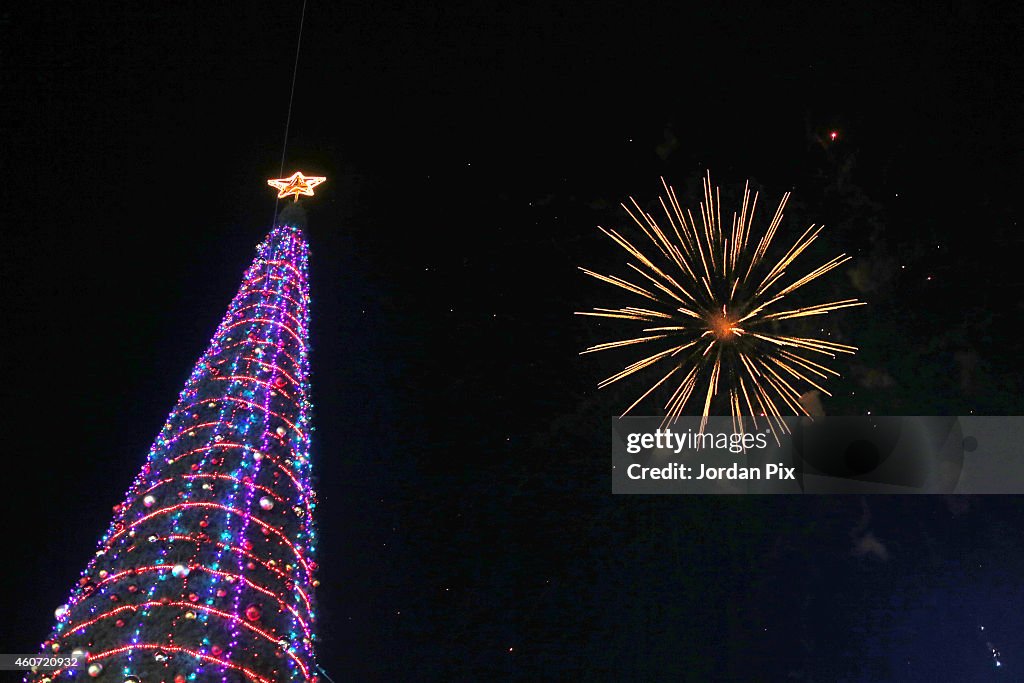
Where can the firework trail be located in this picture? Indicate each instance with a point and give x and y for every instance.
(713, 305)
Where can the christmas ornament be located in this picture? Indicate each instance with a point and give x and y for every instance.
(192, 577)
(95, 669)
(294, 185)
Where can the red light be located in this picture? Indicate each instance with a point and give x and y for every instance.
(833, 135)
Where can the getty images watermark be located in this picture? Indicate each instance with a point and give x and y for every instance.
(825, 455)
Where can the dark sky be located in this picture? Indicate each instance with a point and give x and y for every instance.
(468, 530)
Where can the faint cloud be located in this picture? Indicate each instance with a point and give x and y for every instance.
(669, 143)
(869, 545)
(957, 505)
(865, 543)
(811, 402)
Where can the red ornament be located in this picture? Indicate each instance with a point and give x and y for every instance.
(117, 508)
(114, 598)
(280, 382)
(253, 613)
(132, 588)
(119, 623)
(215, 650)
(179, 678)
(221, 592)
(192, 597)
(203, 523)
(247, 544)
(250, 566)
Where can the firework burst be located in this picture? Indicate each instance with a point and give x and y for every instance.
(714, 304)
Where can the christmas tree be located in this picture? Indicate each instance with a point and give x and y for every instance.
(206, 571)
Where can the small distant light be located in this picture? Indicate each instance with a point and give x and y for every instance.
(833, 135)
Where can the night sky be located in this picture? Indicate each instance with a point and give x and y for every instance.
(468, 530)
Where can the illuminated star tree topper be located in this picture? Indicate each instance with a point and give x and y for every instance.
(296, 184)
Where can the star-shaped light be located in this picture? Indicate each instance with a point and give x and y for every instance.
(295, 184)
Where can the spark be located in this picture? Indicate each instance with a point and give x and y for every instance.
(713, 304)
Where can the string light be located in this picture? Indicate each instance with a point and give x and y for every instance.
(206, 567)
(295, 185)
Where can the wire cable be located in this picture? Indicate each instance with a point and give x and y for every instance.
(291, 100)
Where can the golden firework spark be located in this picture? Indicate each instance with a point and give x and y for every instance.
(713, 304)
